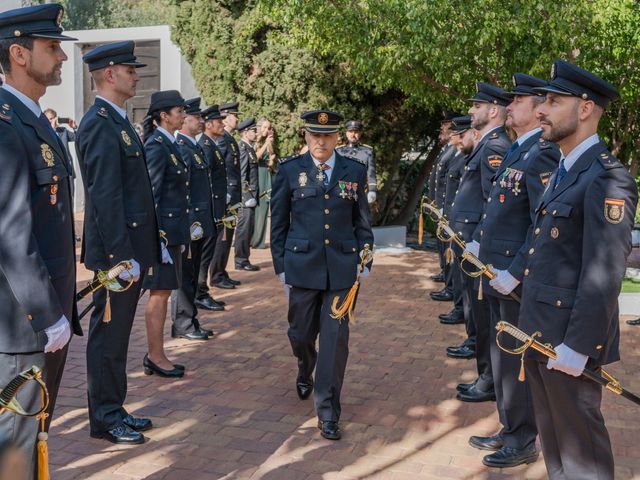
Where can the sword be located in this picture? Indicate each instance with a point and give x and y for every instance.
(605, 379)
(107, 279)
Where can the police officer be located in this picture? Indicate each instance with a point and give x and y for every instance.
(320, 220)
(37, 251)
(208, 142)
(231, 153)
(487, 116)
(120, 224)
(504, 234)
(362, 152)
(575, 265)
(250, 194)
(183, 309)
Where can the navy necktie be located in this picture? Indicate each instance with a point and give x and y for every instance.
(325, 178)
(561, 173)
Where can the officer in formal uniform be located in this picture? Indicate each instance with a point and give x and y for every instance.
(119, 224)
(231, 153)
(487, 116)
(250, 194)
(505, 234)
(364, 153)
(208, 142)
(320, 220)
(202, 226)
(37, 251)
(575, 265)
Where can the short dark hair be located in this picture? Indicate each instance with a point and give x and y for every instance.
(5, 45)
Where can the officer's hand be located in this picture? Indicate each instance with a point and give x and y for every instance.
(166, 258)
(58, 335)
(364, 274)
(285, 287)
(504, 282)
(371, 197)
(133, 273)
(568, 361)
(197, 233)
(228, 198)
(250, 203)
(473, 248)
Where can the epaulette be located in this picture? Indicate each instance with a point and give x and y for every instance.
(5, 113)
(365, 145)
(340, 146)
(158, 139)
(180, 141)
(543, 144)
(361, 162)
(206, 141)
(284, 160)
(493, 136)
(608, 161)
(103, 112)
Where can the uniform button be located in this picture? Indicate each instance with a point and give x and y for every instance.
(326, 196)
(489, 199)
(526, 272)
(481, 232)
(171, 214)
(484, 215)
(554, 212)
(353, 249)
(507, 252)
(544, 211)
(494, 183)
(302, 194)
(186, 183)
(179, 172)
(326, 211)
(558, 303)
(187, 197)
(531, 250)
(326, 241)
(453, 203)
(187, 210)
(295, 248)
(111, 255)
(134, 224)
(598, 347)
(55, 178)
(457, 191)
(537, 231)
(197, 209)
(29, 317)
(137, 154)
(466, 220)
(327, 227)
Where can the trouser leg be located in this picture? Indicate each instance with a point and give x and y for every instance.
(303, 316)
(206, 257)
(481, 321)
(243, 236)
(458, 277)
(183, 309)
(221, 255)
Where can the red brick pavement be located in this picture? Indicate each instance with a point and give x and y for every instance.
(236, 415)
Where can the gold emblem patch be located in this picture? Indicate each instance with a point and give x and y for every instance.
(494, 161)
(174, 159)
(323, 118)
(613, 210)
(197, 158)
(126, 138)
(302, 179)
(47, 155)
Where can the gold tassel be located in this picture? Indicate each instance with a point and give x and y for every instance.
(521, 374)
(189, 253)
(480, 296)
(106, 318)
(420, 226)
(346, 309)
(449, 255)
(43, 449)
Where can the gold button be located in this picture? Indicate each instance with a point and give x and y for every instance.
(598, 347)
(327, 227)
(554, 212)
(526, 272)
(326, 196)
(29, 317)
(55, 178)
(137, 154)
(558, 303)
(353, 249)
(537, 231)
(494, 183)
(531, 250)
(134, 224)
(17, 33)
(326, 211)
(326, 241)
(187, 197)
(544, 211)
(111, 255)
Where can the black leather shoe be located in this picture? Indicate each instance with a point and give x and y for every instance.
(441, 296)
(463, 351)
(210, 333)
(248, 267)
(329, 430)
(233, 282)
(635, 321)
(150, 368)
(492, 443)
(439, 278)
(209, 304)
(451, 318)
(197, 334)
(137, 424)
(511, 457)
(122, 435)
(463, 387)
(304, 388)
(224, 284)
(475, 395)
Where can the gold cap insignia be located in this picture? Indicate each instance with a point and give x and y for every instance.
(47, 155)
(514, 81)
(585, 96)
(553, 71)
(613, 210)
(59, 17)
(17, 33)
(323, 118)
(126, 138)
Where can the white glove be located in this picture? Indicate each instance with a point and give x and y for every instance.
(441, 210)
(134, 273)
(504, 282)
(250, 203)
(569, 361)
(58, 335)
(228, 198)
(371, 197)
(197, 232)
(364, 274)
(166, 258)
(285, 287)
(473, 247)
(182, 249)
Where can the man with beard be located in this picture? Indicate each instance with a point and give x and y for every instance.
(571, 283)
(37, 251)
(119, 225)
(487, 116)
(362, 152)
(505, 234)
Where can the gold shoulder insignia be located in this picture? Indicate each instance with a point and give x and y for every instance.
(494, 135)
(5, 113)
(158, 139)
(103, 112)
(180, 141)
(368, 146)
(613, 210)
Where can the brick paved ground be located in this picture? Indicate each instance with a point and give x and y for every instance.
(236, 415)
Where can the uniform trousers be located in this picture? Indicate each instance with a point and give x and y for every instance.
(453, 286)
(218, 270)
(458, 277)
(23, 431)
(513, 398)
(183, 310)
(107, 348)
(244, 232)
(575, 442)
(309, 317)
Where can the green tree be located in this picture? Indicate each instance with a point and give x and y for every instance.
(92, 14)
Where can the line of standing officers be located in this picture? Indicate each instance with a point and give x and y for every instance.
(552, 213)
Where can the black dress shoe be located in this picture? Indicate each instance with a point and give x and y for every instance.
(197, 334)
(451, 318)
(304, 388)
(463, 387)
(248, 267)
(210, 333)
(219, 302)
(441, 296)
(224, 284)
(475, 395)
(209, 304)
(121, 435)
(150, 368)
(329, 430)
(137, 424)
(511, 457)
(635, 321)
(439, 278)
(492, 443)
(233, 282)
(463, 351)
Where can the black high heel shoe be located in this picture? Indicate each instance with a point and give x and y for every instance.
(150, 368)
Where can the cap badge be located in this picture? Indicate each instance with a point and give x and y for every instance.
(126, 138)
(47, 155)
(59, 17)
(553, 71)
(323, 118)
(17, 33)
(515, 84)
